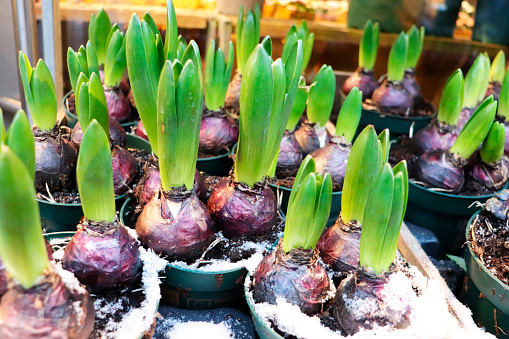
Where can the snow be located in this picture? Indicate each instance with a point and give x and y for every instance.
(200, 329)
(430, 318)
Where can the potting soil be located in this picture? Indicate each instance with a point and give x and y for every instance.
(287, 181)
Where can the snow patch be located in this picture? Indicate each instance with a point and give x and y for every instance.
(200, 329)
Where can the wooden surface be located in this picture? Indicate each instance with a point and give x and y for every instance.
(121, 13)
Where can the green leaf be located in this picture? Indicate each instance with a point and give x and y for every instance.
(451, 101)
(460, 261)
(74, 67)
(98, 107)
(182, 46)
(321, 96)
(192, 52)
(94, 174)
(322, 211)
(267, 44)
(248, 35)
(22, 246)
(151, 23)
(217, 76)
(98, 31)
(82, 59)
(476, 129)
(82, 78)
(385, 143)
(93, 64)
(299, 104)
(361, 171)
(2, 128)
(474, 83)
(170, 43)
(368, 47)
(349, 115)
(44, 96)
(256, 96)
(290, 39)
(377, 214)
(115, 59)
(83, 106)
(20, 140)
(503, 103)
(415, 41)
(397, 58)
(492, 148)
(307, 166)
(144, 70)
(497, 70)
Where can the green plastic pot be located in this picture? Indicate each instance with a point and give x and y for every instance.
(446, 215)
(284, 192)
(195, 289)
(72, 118)
(219, 165)
(485, 294)
(57, 217)
(63, 235)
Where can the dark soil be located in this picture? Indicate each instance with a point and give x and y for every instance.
(288, 183)
(405, 149)
(420, 109)
(72, 196)
(130, 297)
(489, 240)
(209, 182)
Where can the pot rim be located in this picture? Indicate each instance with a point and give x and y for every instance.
(456, 196)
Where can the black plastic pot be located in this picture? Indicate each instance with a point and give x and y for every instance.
(283, 194)
(219, 165)
(196, 289)
(57, 217)
(485, 294)
(72, 118)
(446, 215)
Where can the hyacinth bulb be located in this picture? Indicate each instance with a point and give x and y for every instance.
(363, 80)
(411, 85)
(332, 159)
(436, 136)
(339, 246)
(393, 98)
(218, 134)
(118, 105)
(311, 138)
(436, 169)
(117, 134)
(290, 155)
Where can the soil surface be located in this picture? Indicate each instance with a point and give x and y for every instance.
(421, 109)
(72, 196)
(489, 240)
(405, 149)
(209, 182)
(288, 183)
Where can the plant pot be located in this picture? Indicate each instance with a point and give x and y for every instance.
(446, 215)
(72, 118)
(196, 289)
(485, 294)
(57, 217)
(283, 194)
(219, 165)
(145, 333)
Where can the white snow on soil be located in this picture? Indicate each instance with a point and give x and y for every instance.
(199, 329)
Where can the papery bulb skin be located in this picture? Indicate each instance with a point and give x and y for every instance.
(140, 131)
(363, 80)
(506, 144)
(391, 97)
(365, 301)
(177, 224)
(332, 159)
(232, 99)
(436, 136)
(290, 155)
(439, 169)
(411, 85)
(339, 246)
(55, 307)
(465, 115)
(125, 169)
(118, 105)
(240, 210)
(311, 138)
(492, 176)
(103, 256)
(118, 136)
(55, 160)
(218, 133)
(296, 276)
(494, 88)
(125, 86)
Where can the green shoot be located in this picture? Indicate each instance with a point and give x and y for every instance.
(248, 35)
(415, 41)
(321, 96)
(384, 142)
(503, 100)
(309, 209)
(492, 148)
(397, 58)
(2, 128)
(474, 82)
(307, 39)
(83, 61)
(179, 107)
(171, 41)
(266, 98)
(497, 70)
(485, 79)
(383, 214)
(299, 104)
(361, 172)
(94, 174)
(451, 101)
(157, 36)
(217, 76)
(182, 46)
(267, 44)
(368, 47)
(349, 115)
(20, 140)
(143, 66)
(91, 104)
(39, 91)
(22, 246)
(98, 32)
(115, 64)
(476, 129)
